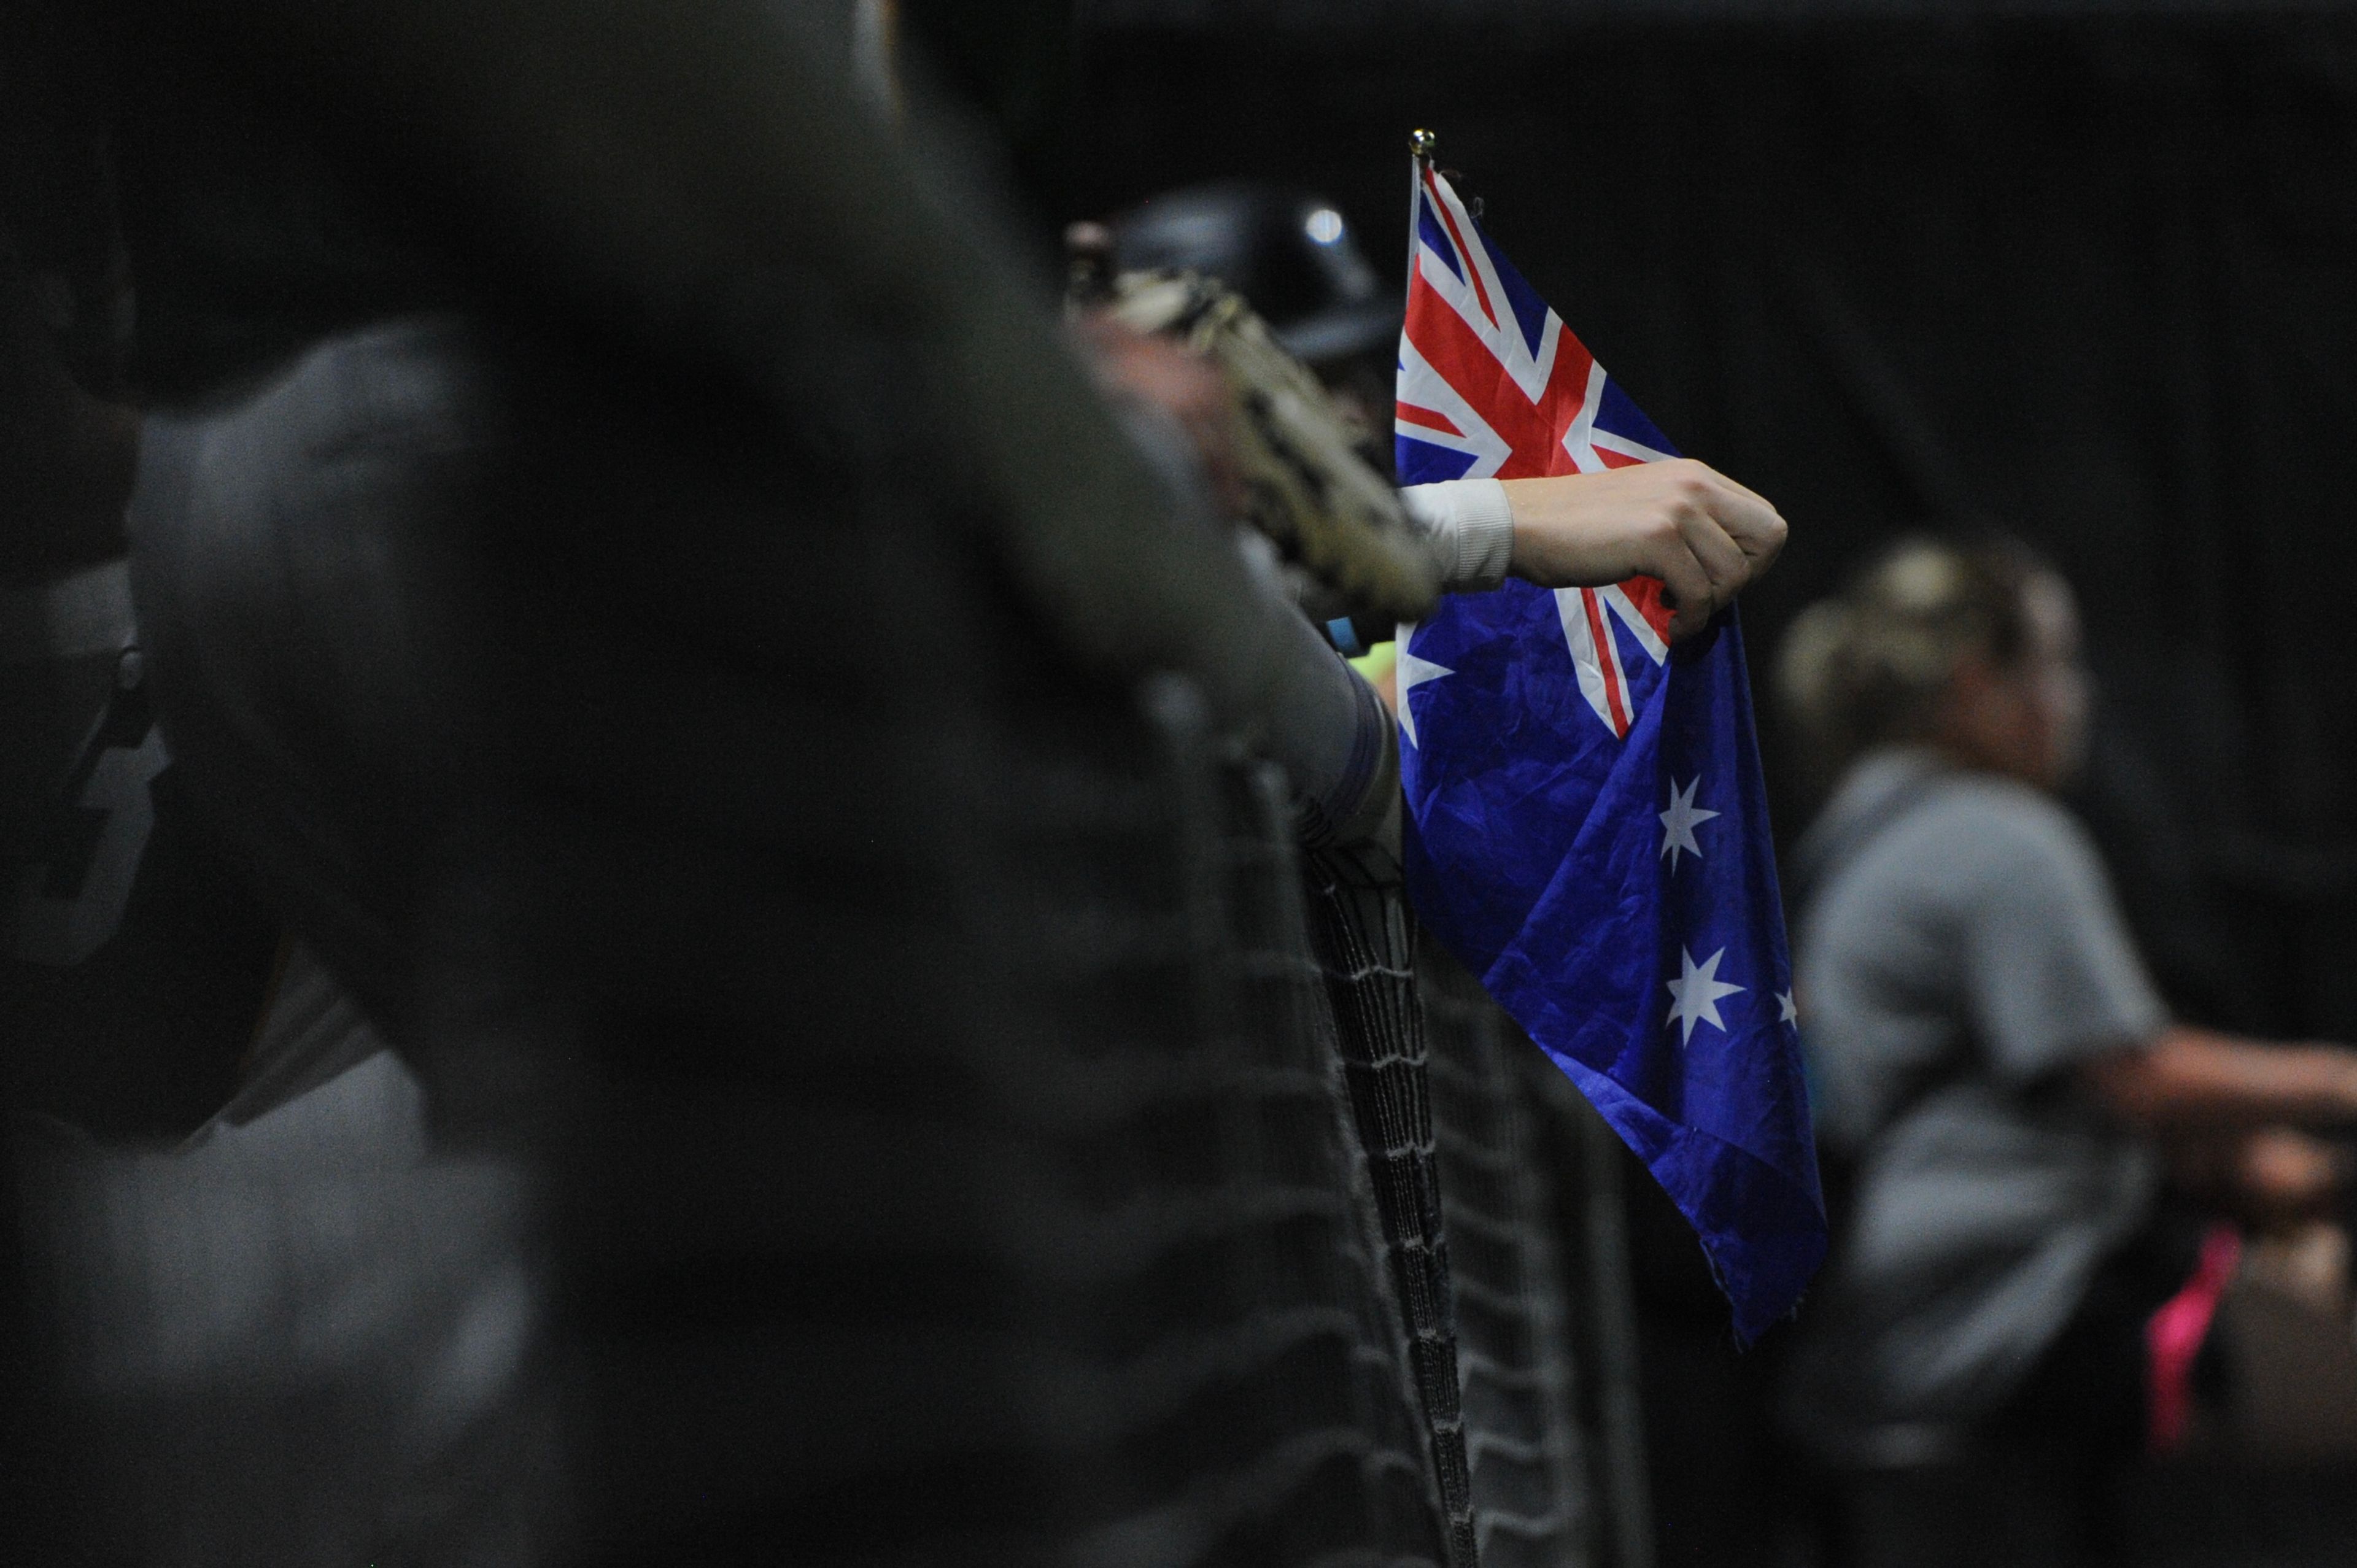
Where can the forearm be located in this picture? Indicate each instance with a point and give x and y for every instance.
(2189, 1076)
(1703, 535)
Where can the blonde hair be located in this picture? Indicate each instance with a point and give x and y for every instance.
(1869, 666)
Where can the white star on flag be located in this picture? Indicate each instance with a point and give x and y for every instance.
(1413, 673)
(1787, 1010)
(1678, 823)
(1694, 995)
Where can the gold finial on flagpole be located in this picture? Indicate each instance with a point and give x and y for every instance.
(1420, 144)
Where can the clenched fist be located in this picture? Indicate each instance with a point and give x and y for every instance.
(1704, 535)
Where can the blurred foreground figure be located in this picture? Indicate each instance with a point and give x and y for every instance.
(637, 578)
(2016, 1305)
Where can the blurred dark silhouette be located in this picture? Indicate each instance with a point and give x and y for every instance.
(634, 575)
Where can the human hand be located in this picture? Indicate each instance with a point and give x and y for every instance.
(1704, 535)
(1151, 370)
(2285, 1171)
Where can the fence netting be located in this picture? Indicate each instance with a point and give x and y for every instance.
(1139, 1190)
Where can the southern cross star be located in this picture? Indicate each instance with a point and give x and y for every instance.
(1693, 994)
(1678, 823)
(1413, 673)
(1787, 1010)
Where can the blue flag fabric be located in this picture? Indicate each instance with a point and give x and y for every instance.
(1587, 825)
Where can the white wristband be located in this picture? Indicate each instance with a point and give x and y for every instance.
(1469, 529)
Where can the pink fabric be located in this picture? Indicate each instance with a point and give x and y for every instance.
(2173, 1336)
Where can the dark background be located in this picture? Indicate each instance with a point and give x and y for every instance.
(2088, 278)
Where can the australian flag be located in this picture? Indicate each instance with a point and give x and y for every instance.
(1587, 829)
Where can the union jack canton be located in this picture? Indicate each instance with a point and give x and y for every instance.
(1587, 825)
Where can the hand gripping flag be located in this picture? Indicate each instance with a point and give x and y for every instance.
(1587, 830)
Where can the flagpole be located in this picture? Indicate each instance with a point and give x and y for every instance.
(1420, 146)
